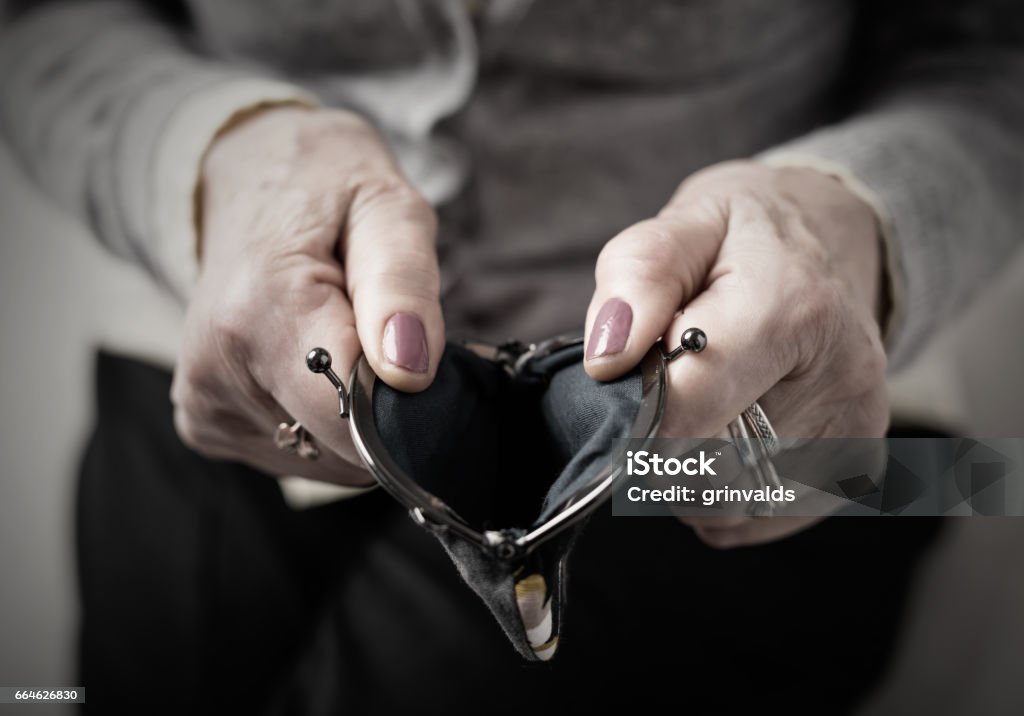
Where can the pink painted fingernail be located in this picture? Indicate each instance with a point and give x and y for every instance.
(405, 343)
(611, 329)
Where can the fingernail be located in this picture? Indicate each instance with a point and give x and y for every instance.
(405, 343)
(611, 329)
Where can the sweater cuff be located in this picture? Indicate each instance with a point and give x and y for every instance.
(177, 163)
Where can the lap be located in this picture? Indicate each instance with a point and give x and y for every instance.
(196, 576)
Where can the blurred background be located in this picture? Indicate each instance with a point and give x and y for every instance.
(967, 615)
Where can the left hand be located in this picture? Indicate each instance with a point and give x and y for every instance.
(781, 267)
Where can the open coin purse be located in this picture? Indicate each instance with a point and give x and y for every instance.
(502, 458)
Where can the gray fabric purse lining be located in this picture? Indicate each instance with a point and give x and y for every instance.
(505, 453)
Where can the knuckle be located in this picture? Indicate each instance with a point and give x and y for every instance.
(189, 431)
(873, 363)
(646, 252)
(189, 401)
(865, 364)
(407, 210)
(209, 370)
(191, 379)
(379, 187)
(385, 188)
(410, 277)
(199, 390)
(232, 324)
(701, 211)
(201, 432)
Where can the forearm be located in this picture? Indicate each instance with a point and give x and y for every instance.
(110, 112)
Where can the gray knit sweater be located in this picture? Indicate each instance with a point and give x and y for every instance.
(543, 128)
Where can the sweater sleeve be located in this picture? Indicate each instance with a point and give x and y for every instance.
(110, 111)
(936, 145)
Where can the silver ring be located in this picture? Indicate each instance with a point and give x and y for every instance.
(296, 440)
(756, 443)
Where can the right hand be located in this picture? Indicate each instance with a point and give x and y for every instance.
(310, 237)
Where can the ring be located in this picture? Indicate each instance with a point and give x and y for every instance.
(756, 443)
(296, 440)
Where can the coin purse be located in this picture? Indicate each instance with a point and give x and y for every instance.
(502, 458)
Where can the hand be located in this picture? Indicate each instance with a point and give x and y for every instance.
(310, 237)
(781, 268)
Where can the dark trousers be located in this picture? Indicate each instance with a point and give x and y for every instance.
(202, 590)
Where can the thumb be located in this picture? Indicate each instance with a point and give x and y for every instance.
(644, 275)
(394, 283)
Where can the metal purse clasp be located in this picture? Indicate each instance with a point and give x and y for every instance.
(319, 361)
(521, 361)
